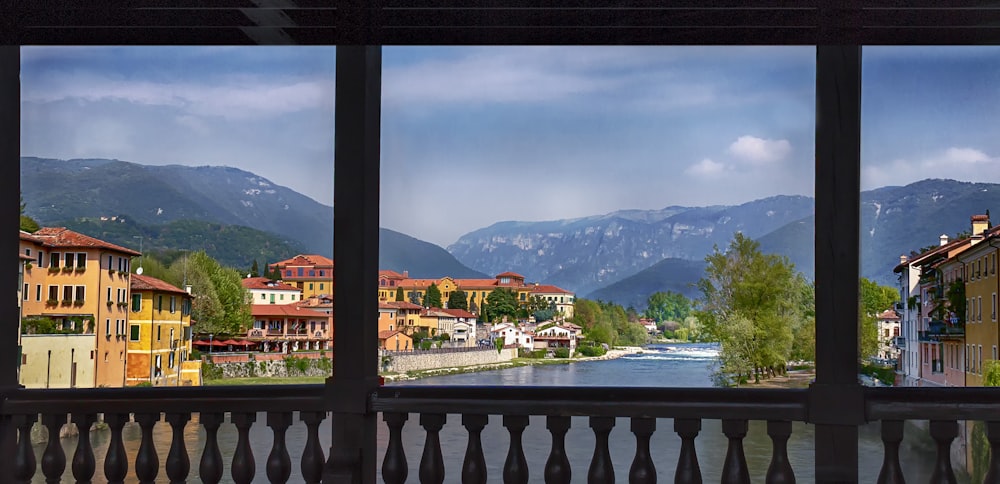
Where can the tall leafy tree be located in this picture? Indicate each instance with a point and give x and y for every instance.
(399, 294)
(432, 298)
(667, 306)
(28, 224)
(748, 305)
(220, 304)
(254, 270)
(458, 299)
(502, 302)
(874, 299)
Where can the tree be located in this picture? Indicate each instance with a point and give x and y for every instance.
(254, 270)
(667, 306)
(28, 224)
(458, 299)
(399, 294)
(748, 304)
(874, 299)
(221, 304)
(804, 330)
(536, 303)
(502, 302)
(432, 298)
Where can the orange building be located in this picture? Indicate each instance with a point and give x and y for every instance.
(78, 279)
(313, 274)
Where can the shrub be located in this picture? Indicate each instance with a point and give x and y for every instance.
(562, 352)
(523, 353)
(425, 345)
(195, 355)
(144, 384)
(210, 371)
(324, 364)
(591, 350)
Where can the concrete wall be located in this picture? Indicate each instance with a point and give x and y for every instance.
(425, 360)
(55, 368)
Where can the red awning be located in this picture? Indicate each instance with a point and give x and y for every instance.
(210, 343)
(230, 342)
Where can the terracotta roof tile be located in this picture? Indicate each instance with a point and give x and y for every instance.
(306, 260)
(388, 334)
(459, 313)
(286, 310)
(63, 237)
(267, 283)
(140, 282)
(400, 305)
(548, 288)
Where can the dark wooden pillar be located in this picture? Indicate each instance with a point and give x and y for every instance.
(356, 217)
(10, 153)
(836, 402)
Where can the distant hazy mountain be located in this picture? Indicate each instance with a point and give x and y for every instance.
(596, 255)
(588, 253)
(677, 275)
(66, 192)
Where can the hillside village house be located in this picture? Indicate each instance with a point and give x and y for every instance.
(159, 334)
(394, 340)
(81, 283)
(888, 331)
(464, 328)
(512, 335)
(312, 274)
(265, 291)
(406, 317)
(554, 336)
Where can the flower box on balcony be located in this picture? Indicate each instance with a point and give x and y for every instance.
(66, 302)
(67, 269)
(122, 304)
(80, 269)
(28, 266)
(51, 302)
(78, 302)
(111, 271)
(53, 269)
(110, 303)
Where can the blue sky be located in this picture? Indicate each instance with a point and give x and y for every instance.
(476, 135)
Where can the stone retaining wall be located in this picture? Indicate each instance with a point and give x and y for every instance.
(274, 368)
(401, 362)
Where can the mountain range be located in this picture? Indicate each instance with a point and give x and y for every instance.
(621, 256)
(78, 192)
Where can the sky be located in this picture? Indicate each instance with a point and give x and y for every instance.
(476, 135)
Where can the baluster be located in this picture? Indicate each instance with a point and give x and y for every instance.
(431, 462)
(244, 467)
(892, 435)
(84, 464)
(780, 470)
(943, 432)
(53, 459)
(515, 468)
(8, 436)
(474, 467)
(601, 469)
(993, 435)
(394, 470)
(279, 464)
(178, 463)
(642, 471)
(147, 463)
(688, 471)
(312, 454)
(24, 460)
(557, 469)
(735, 468)
(210, 467)
(115, 461)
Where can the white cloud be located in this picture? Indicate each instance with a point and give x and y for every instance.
(958, 163)
(706, 167)
(760, 150)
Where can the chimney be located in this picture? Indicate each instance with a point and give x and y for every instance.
(406, 274)
(944, 239)
(980, 223)
(187, 288)
(903, 259)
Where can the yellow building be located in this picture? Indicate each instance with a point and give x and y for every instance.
(159, 333)
(982, 284)
(82, 284)
(313, 274)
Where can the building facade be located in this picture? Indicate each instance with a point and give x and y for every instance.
(159, 333)
(312, 274)
(263, 290)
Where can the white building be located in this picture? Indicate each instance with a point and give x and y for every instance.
(512, 335)
(266, 291)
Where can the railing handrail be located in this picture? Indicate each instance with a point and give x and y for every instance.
(932, 403)
(709, 403)
(227, 398)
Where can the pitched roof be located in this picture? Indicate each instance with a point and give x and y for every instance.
(139, 282)
(459, 313)
(389, 334)
(62, 237)
(306, 260)
(510, 274)
(267, 283)
(390, 274)
(400, 305)
(548, 288)
(436, 313)
(888, 314)
(286, 310)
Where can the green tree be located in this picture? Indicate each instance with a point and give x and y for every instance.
(28, 224)
(585, 313)
(399, 294)
(220, 304)
(874, 299)
(748, 305)
(502, 302)
(254, 270)
(667, 306)
(536, 303)
(432, 298)
(804, 327)
(458, 299)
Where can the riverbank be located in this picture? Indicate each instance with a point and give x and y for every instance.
(792, 379)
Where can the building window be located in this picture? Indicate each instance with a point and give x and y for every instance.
(133, 332)
(67, 293)
(322, 273)
(81, 259)
(81, 292)
(136, 302)
(310, 286)
(53, 293)
(186, 307)
(54, 259)
(993, 307)
(27, 291)
(70, 258)
(159, 302)
(282, 297)
(107, 331)
(288, 273)
(979, 308)
(38, 292)
(299, 271)
(173, 304)
(312, 273)
(41, 258)
(158, 332)
(111, 260)
(979, 363)
(321, 286)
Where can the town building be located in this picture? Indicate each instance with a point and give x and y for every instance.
(263, 290)
(401, 315)
(75, 285)
(286, 328)
(561, 299)
(312, 274)
(550, 337)
(464, 327)
(888, 333)
(511, 334)
(159, 334)
(979, 264)
(394, 340)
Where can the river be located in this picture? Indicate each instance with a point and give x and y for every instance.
(678, 365)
